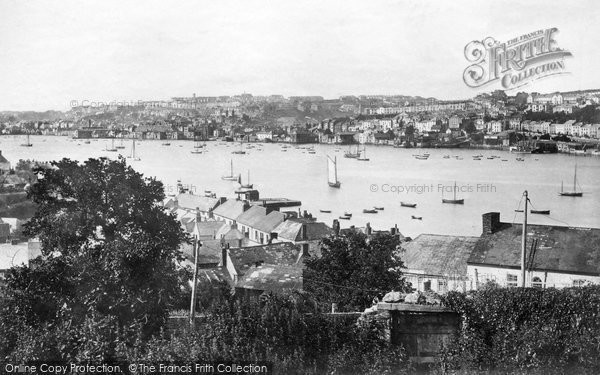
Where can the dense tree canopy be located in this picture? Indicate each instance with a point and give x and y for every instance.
(109, 251)
(355, 269)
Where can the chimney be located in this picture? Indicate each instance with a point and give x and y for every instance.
(224, 254)
(336, 227)
(303, 235)
(246, 205)
(210, 213)
(491, 222)
(305, 214)
(368, 229)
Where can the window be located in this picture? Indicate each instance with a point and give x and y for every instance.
(578, 283)
(442, 286)
(427, 285)
(511, 280)
(536, 282)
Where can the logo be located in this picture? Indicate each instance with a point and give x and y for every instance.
(515, 63)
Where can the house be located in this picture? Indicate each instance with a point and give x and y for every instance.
(437, 262)
(13, 222)
(4, 164)
(258, 222)
(230, 210)
(302, 232)
(557, 256)
(201, 205)
(254, 270)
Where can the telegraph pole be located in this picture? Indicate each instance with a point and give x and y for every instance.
(524, 241)
(195, 282)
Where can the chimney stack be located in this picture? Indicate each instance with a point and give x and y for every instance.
(490, 222)
(368, 229)
(224, 254)
(303, 235)
(336, 227)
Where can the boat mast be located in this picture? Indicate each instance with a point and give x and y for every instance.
(335, 167)
(575, 179)
(524, 240)
(454, 190)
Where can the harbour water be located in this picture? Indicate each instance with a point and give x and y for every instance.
(390, 176)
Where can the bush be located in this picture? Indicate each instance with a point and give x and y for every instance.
(526, 330)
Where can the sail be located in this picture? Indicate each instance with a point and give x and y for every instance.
(332, 175)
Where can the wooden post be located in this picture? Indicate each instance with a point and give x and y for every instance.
(195, 282)
(524, 241)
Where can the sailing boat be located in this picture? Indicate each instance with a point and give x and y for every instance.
(573, 193)
(112, 147)
(248, 185)
(332, 175)
(241, 150)
(363, 155)
(350, 154)
(197, 148)
(453, 201)
(231, 177)
(121, 145)
(132, 156)
(28, 144)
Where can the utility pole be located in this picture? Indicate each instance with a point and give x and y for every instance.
(524, 241)
(195, 282)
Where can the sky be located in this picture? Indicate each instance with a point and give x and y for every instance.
(54, 54)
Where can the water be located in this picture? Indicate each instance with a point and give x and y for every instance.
(296, 174)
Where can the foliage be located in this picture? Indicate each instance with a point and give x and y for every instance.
(286, 330)
(519, 330)
(109, 256)
(354, 269)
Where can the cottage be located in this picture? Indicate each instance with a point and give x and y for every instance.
(556, 256)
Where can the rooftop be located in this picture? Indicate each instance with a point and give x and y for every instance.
(272, 278)
(555, 248)
(434, 254)
(192, 202)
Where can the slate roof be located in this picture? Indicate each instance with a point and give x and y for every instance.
(282, 254)
(272, 278)
(435, 254)
(230, 209)
(292, 230)
(559, 249)
(210, 228)
(192, 201)
(256, 217)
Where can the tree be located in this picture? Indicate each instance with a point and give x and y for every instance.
(109, 249)
(470, 127)
(355, 269)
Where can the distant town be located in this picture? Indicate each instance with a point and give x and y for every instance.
(552, 122)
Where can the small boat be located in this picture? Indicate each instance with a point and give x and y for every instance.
(504, 159)
(421, 157)
(411, 205)
(230, 177)
(133, 156)
(332, 178)
(325, 211)
(540, 212)
(112, 148)
(446, 156)
(520, 159)
(378, 208)
(519, 211)
(453, 201)
(351, 155)
(196, 151)
(248, 185)
(120, 145)
(348, 214)
(573, 193)
(366, 211)
(363, 155)
(476, 158)
(27, 144)
(87, 142)
(166, 144)
(345, 217)
(416, 217)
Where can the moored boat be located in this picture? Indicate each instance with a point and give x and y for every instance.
(405, 204)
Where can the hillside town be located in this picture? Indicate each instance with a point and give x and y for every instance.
(554, 122)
